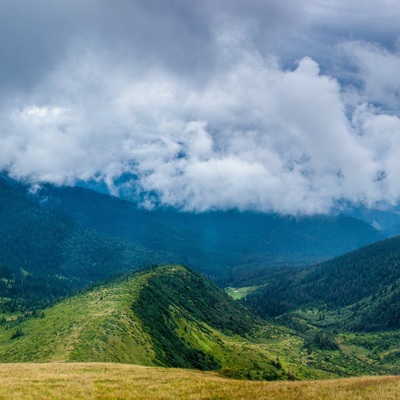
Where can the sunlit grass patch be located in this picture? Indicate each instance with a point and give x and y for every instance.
(241, 292)
(101, 381)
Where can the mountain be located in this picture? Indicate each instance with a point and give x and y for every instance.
(58, 240)
(362, 287)
(164, 316)
(45, 255)
(385, 221)
(173, 317)
(350, 305)
(225, 245)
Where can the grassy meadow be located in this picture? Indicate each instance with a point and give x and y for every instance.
(101, 381)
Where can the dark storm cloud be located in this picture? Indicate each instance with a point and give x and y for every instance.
(179, 35)
(192, 99)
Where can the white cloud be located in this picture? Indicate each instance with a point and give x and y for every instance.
(256, 136)
(376, 71)
(190, 101)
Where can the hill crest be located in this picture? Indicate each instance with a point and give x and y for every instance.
(165, 316)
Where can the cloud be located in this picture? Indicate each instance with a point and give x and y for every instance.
(375, 70)
(191, 102)
(173, 34)
(372, 20)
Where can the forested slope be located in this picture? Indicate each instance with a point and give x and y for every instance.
(224, 245)
(365, 281)
(45, 255)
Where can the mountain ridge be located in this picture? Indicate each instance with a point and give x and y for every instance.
(365, 281)
(216, 243)
(171, 316)
(191, 324)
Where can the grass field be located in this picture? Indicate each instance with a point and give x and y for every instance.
(103, 381)
(240, 293)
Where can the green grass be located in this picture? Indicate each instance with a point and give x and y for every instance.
(241, 292)
(95, 326)
(169, 316)
(105, 325)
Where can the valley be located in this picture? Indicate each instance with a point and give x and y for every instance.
(79, 283)
(172, 317)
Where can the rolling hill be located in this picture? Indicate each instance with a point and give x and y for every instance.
(350, 303)
(165, 316)
(171, 316)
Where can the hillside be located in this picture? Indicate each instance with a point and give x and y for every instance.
(228, 246)
(365, 281)
(386, 221)
(172, 317)
(45, 255)
(166, 316)
(59, 233)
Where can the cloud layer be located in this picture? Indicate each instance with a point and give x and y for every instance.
(199, 108)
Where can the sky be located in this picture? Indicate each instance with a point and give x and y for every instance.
(267, 105)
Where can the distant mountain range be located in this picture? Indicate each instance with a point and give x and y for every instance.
(58, 240)
(385, 221)
(222, 245)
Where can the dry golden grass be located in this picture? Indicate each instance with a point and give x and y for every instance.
(115, 381)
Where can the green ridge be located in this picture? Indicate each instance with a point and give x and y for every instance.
(165, 316)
